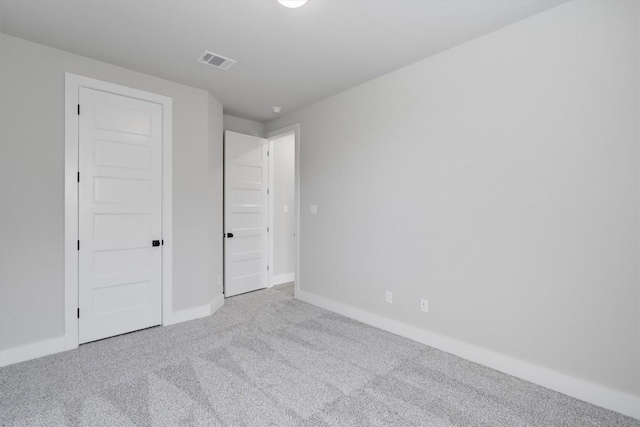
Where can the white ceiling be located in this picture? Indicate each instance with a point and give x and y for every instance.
(286, 57)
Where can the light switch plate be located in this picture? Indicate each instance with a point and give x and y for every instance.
(314, 209)
(285, 209)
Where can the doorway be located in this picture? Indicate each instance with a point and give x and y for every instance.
(117, 210)
(261, 223)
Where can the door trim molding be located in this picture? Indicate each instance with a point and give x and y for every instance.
(270, 214)
(73, 83)
(295, 129)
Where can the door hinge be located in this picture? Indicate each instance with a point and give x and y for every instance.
(78, 313)
(267, 191)
(78, 109)
(162, 242)
(78, 244)
(267, 229)
(267, 153)
(78, 176)
(267, 268)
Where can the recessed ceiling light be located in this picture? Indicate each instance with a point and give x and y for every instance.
(292, 3)
(276, 110)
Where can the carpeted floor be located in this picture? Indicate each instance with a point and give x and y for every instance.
(266, 359)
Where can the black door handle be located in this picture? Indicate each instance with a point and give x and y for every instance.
(229, 235)
(156, 243)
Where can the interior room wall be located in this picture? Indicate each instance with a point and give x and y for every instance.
(245, 126)
(32, 80)
(499, 180)
(284, 223)
(215, 183)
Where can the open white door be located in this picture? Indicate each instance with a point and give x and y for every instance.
(120, 189)
(246, 243)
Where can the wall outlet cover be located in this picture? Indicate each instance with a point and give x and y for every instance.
(388, 297)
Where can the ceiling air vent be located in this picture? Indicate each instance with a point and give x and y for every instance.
(215, 60)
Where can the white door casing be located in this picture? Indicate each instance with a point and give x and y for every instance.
(120, 205)
(245, 213)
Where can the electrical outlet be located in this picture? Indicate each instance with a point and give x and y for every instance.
(219, 279)
(388, 297)
(314, 209)
(285, 209)
(424, 305)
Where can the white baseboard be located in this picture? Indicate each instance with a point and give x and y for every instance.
(217, 303)
(599, 395)
(197, 312)
(283, 278)
(56, 345)
(32, 351)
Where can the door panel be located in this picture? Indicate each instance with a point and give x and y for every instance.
(246, 213)
(122, 155)
(121, 190)
(120, 158)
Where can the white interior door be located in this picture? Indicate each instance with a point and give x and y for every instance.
(245, 213)
(120, 188)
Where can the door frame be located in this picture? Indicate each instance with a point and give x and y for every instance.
(73, 83)
(292, 129)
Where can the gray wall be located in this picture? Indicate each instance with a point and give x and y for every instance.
(499, 180)
(214, 184)
(245, 126)
(283, 190)
(32, 184)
